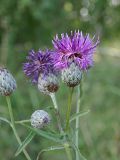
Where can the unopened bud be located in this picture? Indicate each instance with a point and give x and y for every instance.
(48, 83)
(40, 119)
(7, 82)
(72, 75)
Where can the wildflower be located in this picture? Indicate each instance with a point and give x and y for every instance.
(40, 68)
(7, 82)
(75, 48)
(38, 63)
(40, 119)
(74, 54)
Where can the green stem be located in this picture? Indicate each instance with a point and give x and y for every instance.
(77, 122)
(79, 94)
(13, 126)
(68, 152)
(66, 145)
(52, 95)
(23, 121)
(69, 109)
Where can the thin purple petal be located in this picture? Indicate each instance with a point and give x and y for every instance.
(76, 47)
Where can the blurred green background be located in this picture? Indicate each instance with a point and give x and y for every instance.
(31, 24)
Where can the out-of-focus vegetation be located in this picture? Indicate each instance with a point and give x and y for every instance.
(28, 24)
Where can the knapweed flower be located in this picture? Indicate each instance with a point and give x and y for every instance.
(40, 119)
(76, 50)
(38, 63)
(40, 69)
(7, 82)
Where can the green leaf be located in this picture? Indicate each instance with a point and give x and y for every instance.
(77, 150)
(23, 121)
(25, 143)
(5, 120)
(45, 134)
(52, 148)
(78, 115)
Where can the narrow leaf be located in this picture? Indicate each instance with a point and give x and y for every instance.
(52, 148)
(25, 143)
(48, 135)
(80, 155)
(5, 120)
(78, 115)
(22, 121)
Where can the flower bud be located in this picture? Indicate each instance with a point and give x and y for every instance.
(48, 83)
(40, 119)
(71, 75)
(7, 82)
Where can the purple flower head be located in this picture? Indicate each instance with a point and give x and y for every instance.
(39, 63)
(75, 48)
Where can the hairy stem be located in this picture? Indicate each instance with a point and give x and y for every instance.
(13, 126)
(69, 108)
